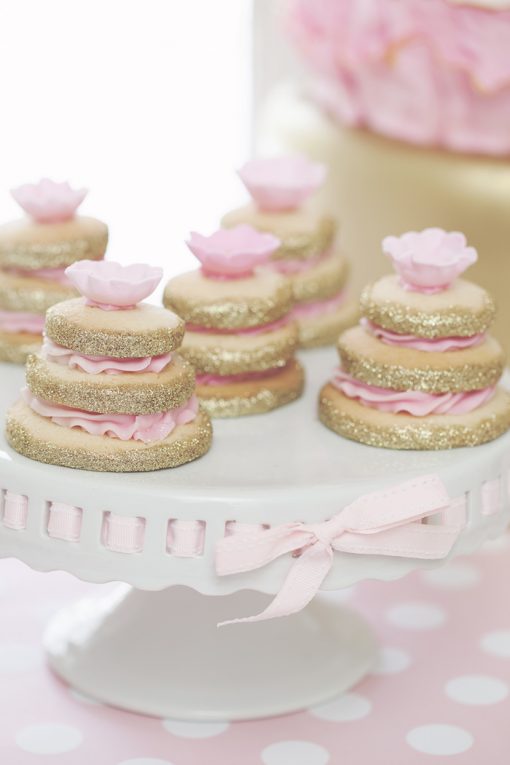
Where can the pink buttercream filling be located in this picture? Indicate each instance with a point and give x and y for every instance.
(412, 402)
(259, 330)
(126, 427)
(239, 378)
(318, 307)
(48, 274)
(94, 365)
(17, 321)
(437, 344)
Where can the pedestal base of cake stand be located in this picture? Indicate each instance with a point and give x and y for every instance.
(161, 654)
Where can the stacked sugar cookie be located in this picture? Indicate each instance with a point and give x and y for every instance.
(308, 254)
(420, 371)
(34, 252)
(239, 334)
(109, 392)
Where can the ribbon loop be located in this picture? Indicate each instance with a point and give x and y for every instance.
(387, 522)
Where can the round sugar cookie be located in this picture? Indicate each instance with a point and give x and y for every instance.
(232, 354)
(239, 399)
(388, 366)
(146, 330)
(321, 281)
(353, 420)
(26, 244)
(229, 303)
(23, 293)
(40, 439)
(462, 310)
(303, 233)
(15, 347)
(126, 393)
(324, 329)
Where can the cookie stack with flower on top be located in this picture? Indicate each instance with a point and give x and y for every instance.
(421, 370)
(34, 252)
(308, 254)
(109, 391)
(239, 334)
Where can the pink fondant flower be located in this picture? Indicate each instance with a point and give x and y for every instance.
(49, 202)
(232, 253)
(282, 183)
(112, 286)
(429, 260)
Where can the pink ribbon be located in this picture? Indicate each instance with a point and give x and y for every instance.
(384, 522)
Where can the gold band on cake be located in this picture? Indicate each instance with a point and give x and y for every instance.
(368, 359)
(40, 439)
(15, 347)
(30, 245)
(322, 281)
(357, 422)
(451, 321)
(241, 313)
(449, 380)
(118, 334)
(232, 354)
(23, 293)
(253, 397)
(53, 255)
(126, 393)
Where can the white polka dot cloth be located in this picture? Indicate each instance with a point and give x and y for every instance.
(439, 693)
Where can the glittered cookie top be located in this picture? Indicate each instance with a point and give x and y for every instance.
(110, 319)
(426, 296)
(51, 234)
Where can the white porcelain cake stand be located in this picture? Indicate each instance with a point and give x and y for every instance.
(152, 645)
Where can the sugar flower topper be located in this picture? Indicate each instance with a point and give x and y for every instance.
(110, 285)
(429, 260)
(282, 183)
(232, 253)
(49, 202)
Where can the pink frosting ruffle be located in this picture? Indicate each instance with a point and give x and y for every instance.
(126, 427)
(243, 377)
(424, 71)
(318, 307)
(259, 330)
(437, 344)
(17, 321)
(94, 365)
(412, 402)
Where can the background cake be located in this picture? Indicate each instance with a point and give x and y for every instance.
(34, 252)
(408, 104)
(421, 370)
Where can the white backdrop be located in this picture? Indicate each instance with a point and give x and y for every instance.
(145, 102)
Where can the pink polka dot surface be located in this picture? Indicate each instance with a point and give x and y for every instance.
(439, 693)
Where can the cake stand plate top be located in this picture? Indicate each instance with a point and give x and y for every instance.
(268, 469)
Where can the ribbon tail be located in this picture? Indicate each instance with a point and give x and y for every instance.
(300, 586)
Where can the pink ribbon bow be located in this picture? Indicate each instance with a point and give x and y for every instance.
(384, 522)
